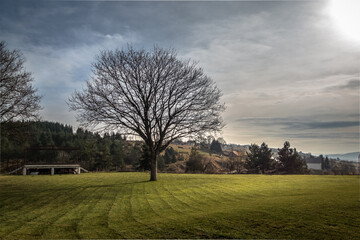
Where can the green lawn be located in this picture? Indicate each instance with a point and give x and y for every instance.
(126, 205)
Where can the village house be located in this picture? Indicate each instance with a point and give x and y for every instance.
(314, 163)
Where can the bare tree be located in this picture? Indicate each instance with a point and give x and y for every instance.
(151, 94)
(18, 97)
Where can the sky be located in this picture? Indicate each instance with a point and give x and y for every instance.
(288, 70)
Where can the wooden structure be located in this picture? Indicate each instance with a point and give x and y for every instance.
(39, 167)
(76, 167)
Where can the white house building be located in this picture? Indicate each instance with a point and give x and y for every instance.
(314, 163)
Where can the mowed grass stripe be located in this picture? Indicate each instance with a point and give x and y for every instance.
(161, 199)
(147, 192)
(29, 209)
(161, 207)
(210, 228)
(66, 226)
(35, 227)
(97, 216)
(170, 215)
(137, 228)
(120, 218)
(146, 211)
(118, 215)
(215, 193)
(200, 225)
(187, 194)
(30, 212)
(163, 222)
(117, 199)
(186, 213)
(126, 205)
(182, 200)
(31, 200)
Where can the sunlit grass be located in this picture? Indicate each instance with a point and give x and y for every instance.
(126, 205)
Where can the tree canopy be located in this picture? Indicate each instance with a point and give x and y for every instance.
(215, 147)
(153, 94)
(290, 160)
(259, 158)
(18, 97)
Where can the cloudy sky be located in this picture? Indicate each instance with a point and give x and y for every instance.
(288, 70)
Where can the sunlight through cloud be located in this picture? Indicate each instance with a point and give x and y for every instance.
(346, 17)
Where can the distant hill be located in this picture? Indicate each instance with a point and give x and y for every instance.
(353, 156)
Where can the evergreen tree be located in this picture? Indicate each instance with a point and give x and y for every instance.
(170, 155)
(259, 158)
(322, 162)
(46, 139)
(196, 162)
(253, 158)
(266, 161)
(103, 157)
(145, 159)
(117, 153)
(133, 153)
(290, 160)
(327, 163)
(161, 163)
(88, 153)
(216, 147)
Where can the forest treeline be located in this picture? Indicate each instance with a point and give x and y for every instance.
(21, 143)
(93, 151)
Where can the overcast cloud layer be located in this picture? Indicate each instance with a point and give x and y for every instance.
(285, 70)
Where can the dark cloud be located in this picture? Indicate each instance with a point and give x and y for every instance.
(346, 137)
(321, 125)
(56, 22)
(296, 125)
(352, 84)
(164, 22)
(270, 58)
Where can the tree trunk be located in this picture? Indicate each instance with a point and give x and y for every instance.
(153, 172)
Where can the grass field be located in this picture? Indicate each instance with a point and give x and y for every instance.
(126, 205)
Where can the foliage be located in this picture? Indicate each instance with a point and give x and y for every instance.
(161, 163)
(170, 155)
(215, 147)
(102, 153)
(133, 153)
(112, 152)
(290, 160)
(327, 164)
(343, 168)
(235, 164)
(151, 94)
(117, 153)
(259, 159)
(196, 162)
(145, 159)
(180, 206)
(109, 152)
(18, 97)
